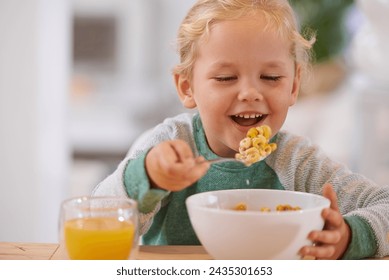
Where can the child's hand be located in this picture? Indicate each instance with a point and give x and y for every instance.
(171, 165)
(333, 240)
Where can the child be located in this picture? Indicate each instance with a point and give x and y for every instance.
(241, 66)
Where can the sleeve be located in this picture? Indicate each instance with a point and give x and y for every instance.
(364, 205)
(362, 244)
(137, 186)
(130, 180)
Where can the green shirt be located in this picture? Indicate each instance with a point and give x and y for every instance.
(296, 165)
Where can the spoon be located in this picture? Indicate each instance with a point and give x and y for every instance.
(220, 160)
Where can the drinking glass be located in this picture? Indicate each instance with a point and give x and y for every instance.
(99, 228)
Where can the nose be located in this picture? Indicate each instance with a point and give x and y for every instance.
(250, 94)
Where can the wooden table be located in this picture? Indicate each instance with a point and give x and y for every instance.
(35, 251)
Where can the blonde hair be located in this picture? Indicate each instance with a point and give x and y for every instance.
(278, 14)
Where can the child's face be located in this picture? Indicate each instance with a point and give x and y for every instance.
(243, 77)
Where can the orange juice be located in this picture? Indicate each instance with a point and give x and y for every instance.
(98, 238)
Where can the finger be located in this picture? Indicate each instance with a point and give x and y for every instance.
(328, 192)
(182, 150)
(165, 153)
(203, 164)
(171, 153)
(318, 252)
(325, 236)
(196, 173)
(199, 169)
(333, 219)
(190, 168)
(201, 159)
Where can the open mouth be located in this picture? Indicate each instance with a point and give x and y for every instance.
(248, 119)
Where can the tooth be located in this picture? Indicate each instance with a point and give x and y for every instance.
(249, 116)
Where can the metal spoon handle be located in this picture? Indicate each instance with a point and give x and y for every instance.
(219, 160)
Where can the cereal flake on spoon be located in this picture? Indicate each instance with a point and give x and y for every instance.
(255, 146)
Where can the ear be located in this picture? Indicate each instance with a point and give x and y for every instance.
(296, 86)
(184, 91)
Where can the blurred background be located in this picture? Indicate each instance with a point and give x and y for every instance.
(81, 79)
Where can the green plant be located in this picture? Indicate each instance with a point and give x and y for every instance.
(326, 18)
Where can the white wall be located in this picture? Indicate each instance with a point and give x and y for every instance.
(139, 92)
(34, 72)
(36, 122)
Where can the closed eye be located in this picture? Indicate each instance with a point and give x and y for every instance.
(225, 78)
(271, 78)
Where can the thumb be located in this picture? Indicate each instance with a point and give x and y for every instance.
(328, 192)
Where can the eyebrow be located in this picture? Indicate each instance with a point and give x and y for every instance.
(268, 64)
(221, 64)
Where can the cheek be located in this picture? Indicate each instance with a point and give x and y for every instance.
(283, 99)
(279, 103)
(212, 101)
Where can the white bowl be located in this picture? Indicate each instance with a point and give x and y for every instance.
(230, 234)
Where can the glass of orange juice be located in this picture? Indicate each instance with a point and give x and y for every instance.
(99, 228)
